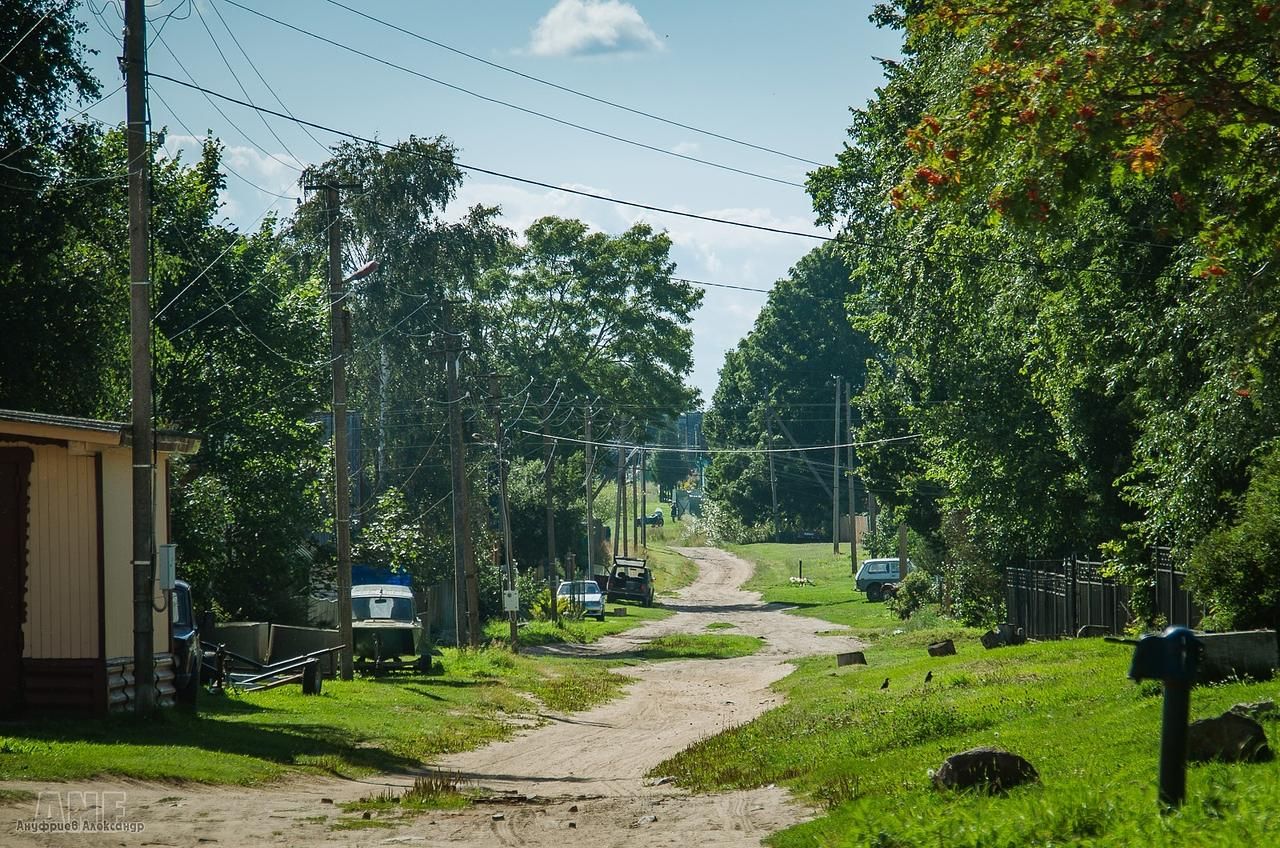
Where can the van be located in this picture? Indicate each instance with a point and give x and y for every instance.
(874, 574)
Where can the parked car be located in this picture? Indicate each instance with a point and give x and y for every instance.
(184, 645)
(875, 574)
(385, 626)
(654, 519)
(584, 595)
(630, 580)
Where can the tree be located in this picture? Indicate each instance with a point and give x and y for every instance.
(780, 375)
(601, 314)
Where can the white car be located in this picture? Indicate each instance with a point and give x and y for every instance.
(584, 595)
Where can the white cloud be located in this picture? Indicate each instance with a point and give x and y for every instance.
(592, 28)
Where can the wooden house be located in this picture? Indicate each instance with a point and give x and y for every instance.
(66, 548)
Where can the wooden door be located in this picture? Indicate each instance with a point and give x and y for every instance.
(15, 464)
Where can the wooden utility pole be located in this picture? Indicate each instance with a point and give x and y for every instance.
(635, 503)
(135, 69)
(590, 461)
(341, 461)
(548, 483)
(624, 461)
(495, 390)
(339, 332)
(466, 594)
(618, 502)
(848, 475)
(773, 477)
(644, 493)
(835, 474)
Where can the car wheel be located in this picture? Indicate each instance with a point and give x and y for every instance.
(600, 617)
(875, 592)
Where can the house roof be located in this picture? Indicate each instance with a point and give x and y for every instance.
(64, 428)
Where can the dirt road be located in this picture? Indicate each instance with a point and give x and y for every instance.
(576, 780)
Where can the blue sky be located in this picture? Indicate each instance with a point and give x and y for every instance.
(780, 75)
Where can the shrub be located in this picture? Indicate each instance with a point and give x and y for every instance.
(540, 606)
(916, 589)
(1235, 571)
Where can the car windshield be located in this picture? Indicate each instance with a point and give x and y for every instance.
(579, 587)
(388, 609)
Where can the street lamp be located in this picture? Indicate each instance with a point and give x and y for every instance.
(364, 271)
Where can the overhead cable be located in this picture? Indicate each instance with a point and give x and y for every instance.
(601, 100)
(501, 175)
(508, 104)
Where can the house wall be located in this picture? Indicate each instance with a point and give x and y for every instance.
(62, 575)
(117, 539)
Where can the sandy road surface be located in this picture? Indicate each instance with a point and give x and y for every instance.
(575, 780)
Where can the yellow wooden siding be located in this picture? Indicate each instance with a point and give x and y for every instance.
(117, 537)
(62, 545)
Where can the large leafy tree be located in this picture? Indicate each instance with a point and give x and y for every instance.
(779, 381)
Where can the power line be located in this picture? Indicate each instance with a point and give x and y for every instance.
(240, 85)
(669, 449)
(508, 104)
(34, 27)
(261, 78)
(232, 171)
(218, 109)
(501, 175)
(601, 100)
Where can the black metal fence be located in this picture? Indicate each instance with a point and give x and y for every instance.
(1053, 599)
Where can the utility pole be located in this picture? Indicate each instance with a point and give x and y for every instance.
(835, 474)
(512, 615)
(548, 478)
(466, 595)
(635, 503)
(773, 478)
(339, 330)
(848, 474)
(548, 483)
(135, 69)
(590, 460)
(643, 514)
(618, 502)
(624, 460)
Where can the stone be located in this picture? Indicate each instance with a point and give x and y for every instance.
(574, 808)
(985, 769)
(851, 658)
(1255, 710)
(644, 820)
(945, 648)
(1229, 738)
(498, 817)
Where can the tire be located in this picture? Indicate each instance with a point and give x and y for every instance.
(600, 618)
(875, 592)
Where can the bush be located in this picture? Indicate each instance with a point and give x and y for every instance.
(540, 606)
(721, 526)
(1234, 572)
(914, 591)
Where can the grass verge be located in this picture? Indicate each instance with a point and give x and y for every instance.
(864, 753)
(699, 646)
(353, 728)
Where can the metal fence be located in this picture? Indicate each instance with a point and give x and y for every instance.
(1053, 599)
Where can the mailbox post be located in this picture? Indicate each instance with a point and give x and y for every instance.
(1171, 658)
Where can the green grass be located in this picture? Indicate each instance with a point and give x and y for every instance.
(354, 728)
(581, 631)
(863, 754)
(707, 646)
(721, 625)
